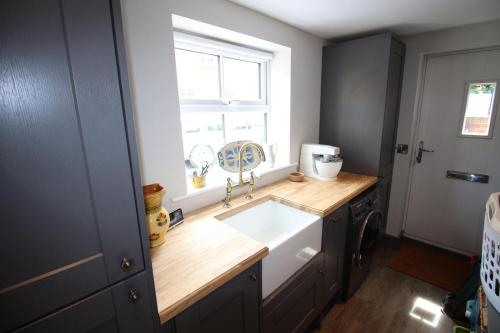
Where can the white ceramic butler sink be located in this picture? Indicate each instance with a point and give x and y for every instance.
(292, 236)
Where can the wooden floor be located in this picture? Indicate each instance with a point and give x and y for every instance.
(384, 302)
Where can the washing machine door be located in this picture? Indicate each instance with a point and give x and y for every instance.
(368, 235)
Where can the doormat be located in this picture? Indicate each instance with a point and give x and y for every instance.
(430, 264)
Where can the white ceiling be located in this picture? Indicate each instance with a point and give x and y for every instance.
(336, 18)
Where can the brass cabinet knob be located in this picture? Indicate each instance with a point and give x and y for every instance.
(126, 264)
(133, 296)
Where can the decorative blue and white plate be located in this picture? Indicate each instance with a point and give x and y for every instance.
(201, 153)
(228, 157)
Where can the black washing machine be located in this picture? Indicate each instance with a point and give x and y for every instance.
(364, 232)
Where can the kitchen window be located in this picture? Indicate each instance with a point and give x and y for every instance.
(223, 94)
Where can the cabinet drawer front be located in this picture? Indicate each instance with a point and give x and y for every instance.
(132, 299)
(44, 294)
(91, 313)
(234, 307)
(110, 310)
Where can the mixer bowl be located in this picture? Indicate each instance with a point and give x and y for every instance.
(328, 170)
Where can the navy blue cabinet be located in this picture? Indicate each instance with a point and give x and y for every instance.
(71, 204)
(360, 97)
(293, 307)
(360, 93)
(297, 303)
(234, 307)
(300, 300)
(334, 238)
(120, 308)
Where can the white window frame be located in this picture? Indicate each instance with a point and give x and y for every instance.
(494, 107)
(190, 42)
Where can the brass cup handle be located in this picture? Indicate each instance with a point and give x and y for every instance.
(134, 296)
(126, 264)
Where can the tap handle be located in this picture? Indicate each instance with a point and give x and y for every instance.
(251, 181)
(229, 189)
(254, 176)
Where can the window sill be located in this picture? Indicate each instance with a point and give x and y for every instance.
(219, 183)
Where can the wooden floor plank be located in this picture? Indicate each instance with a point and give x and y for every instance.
(383, 303)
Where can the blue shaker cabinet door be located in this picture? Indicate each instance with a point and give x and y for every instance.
(69, 220)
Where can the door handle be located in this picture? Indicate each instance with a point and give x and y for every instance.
(421, 149)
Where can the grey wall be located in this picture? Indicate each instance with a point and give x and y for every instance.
(150, 52)
(466, 37)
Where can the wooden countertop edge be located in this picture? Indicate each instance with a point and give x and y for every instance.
(348, 198)
(296, 205)
(190, 299)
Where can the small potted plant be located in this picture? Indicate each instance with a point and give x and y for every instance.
(199, 178)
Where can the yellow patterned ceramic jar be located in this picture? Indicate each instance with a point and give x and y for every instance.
(156, 215)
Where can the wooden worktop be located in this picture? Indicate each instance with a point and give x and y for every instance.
(202, 254)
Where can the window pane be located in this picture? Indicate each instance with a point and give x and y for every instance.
(479, 108)
(245, 126)
(201, 128)
(197, 75)
(241, 80)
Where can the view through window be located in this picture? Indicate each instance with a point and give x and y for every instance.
(479, 109)
(223, 92)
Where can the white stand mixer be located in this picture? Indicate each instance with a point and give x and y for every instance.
(322, 162)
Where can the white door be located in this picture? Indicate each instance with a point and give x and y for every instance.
(449, 212)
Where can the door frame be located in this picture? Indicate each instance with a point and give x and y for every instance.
(415, 130)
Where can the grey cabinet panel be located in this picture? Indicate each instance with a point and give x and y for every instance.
(134, 315)
(83, 316)
(168, 327)
(353, 101)
(234, 307)
(360, 96)
(391, 114)
(133, 156)
(97, 91)
(43, 173)
(294, 306)
(384, 188)
(39, 297)
(334, 238)
(107, 327)
(68, 202)
(360, 100)
(106, 311)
